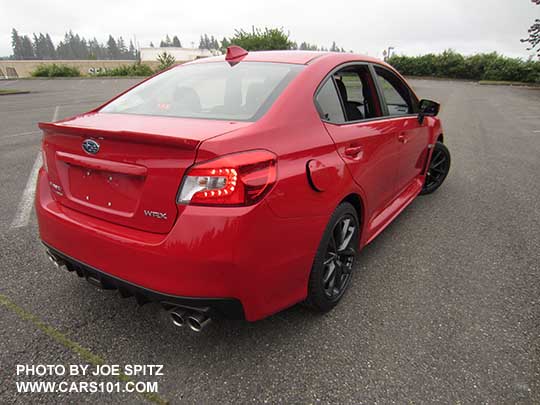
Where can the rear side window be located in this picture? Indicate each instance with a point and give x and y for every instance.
(217, 90)
(328, 103)
(396, 94)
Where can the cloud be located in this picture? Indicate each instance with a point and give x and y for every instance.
(412, 27)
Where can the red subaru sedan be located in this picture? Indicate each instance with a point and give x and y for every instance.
(239, 185)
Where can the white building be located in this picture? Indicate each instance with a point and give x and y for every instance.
(180, 54)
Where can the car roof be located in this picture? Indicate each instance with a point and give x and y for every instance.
(294, 57)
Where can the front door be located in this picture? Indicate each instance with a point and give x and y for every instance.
(351, 113)
(411, 136)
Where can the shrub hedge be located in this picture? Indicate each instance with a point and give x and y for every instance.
(137, 69)
(55, 70)
(484, 66)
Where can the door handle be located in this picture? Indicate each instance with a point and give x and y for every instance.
(353, 151)
(402, 138)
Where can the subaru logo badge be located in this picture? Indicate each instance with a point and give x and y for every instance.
(90, 146)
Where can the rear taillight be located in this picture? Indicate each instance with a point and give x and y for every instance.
(236, 179)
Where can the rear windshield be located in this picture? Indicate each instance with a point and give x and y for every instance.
(217, 90)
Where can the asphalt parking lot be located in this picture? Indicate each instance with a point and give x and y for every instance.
(444, 305)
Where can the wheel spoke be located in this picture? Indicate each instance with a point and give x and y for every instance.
(347, 239)
(330, 273)
(437, 164)
(333, 244)
(329, 260)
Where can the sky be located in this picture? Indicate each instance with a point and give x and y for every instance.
(412, 27)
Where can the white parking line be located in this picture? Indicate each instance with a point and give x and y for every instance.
(537, 131)
(24, 209)
(20, 134)
(25, 205)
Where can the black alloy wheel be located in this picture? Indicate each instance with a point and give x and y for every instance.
(438, 169)
(339, 257)
(334, 261)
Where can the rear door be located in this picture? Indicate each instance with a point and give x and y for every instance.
(401, 106)
(348, 104)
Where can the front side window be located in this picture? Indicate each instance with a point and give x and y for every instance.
(217, 90)
(396, 93)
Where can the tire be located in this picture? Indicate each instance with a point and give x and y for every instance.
(334, 260)
(438, 169)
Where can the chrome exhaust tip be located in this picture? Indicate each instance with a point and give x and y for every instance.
(59, 263)
(178, 316)
(197, 321)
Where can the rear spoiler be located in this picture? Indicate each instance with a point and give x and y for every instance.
(131, 136)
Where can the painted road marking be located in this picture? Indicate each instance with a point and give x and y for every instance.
(24, 209)
(71, 345)
(20, 134)
(55, 115)
(22, 216)
(537, 131)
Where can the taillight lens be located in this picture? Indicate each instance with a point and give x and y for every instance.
(236, 179)
(44, 159)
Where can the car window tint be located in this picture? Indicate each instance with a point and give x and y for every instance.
(242, 92)
(356, 90)
(328, 103)
(396, 94)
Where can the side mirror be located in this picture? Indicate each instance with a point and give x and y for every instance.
(427, 108)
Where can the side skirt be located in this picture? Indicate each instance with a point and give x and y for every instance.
(381, 221)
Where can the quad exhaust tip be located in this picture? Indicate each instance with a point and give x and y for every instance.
(195, 320)
(178, 317)
(59, 263)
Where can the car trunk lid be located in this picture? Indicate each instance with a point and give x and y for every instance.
(131, 167)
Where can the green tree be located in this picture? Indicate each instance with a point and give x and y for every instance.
(534, 34)
(112, 48)
(176, 42)
(133, 53)
(166, 43)
(49, 48)
(16, 44)
(261, 39)
(27, 48)
(165, 60)
(224, 44)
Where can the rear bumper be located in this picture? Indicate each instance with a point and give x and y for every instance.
(229, 308)
(245, 255)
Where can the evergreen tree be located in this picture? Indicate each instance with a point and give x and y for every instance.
(16, 44)
(38, 46)
(166, 43)
(122, 49)
(112, 48)
(212, 43)
(49, 46)
(152, 45)
(176, 42)
(27, 48)
(224, 44)
(132, 51)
